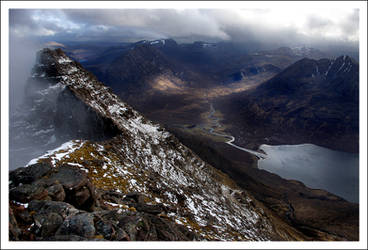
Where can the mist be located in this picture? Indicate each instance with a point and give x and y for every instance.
(27, 137)
(43, 113)
(22, 57)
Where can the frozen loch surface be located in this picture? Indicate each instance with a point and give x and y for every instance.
(317, 167)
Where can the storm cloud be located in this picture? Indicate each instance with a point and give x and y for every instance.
(238, 25)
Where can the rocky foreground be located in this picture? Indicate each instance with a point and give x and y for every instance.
(80, 197)
(63, 204)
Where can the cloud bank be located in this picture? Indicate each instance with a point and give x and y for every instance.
(300, 26)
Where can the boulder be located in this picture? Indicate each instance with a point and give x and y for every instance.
(106, 229)
(14, 231)
(129, 224)
(148, 227)
(27, 175)
(56, 192)
(22, 215)
(44, 207)
(47, 223)
(134, 197)
(71, 177)
(168, 230)
(110, 195)
(79, 224)
(151, 209)
(27, 192)
(79, 191)
(107, 225)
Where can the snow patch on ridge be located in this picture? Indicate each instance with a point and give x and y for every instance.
(64, 60)
(59, 153)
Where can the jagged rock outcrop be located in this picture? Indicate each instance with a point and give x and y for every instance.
(51, 114)
(80, 121)
(141, 184)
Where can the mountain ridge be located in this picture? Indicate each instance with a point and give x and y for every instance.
(315, 101)
(141, 157)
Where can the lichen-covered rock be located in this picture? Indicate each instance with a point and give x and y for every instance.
(27, 192)
(55, 220)
(22, 215)
(56, 192)
(44, 207)
(134, 197)
(14, 230)
(48, 223)
(70, 177)
(151, 209)
(77, 187)
(79, 224)
(153, 228)
(106, 229)
(29, 174)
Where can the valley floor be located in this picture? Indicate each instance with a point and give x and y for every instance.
(291, 200)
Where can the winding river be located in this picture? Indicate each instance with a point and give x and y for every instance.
(315, 166)
(230, 138)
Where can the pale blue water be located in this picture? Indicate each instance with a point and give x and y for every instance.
(317, 167)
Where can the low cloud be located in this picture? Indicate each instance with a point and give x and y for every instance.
(22, 57)
(153, 23)
(350, 25)
(317, 23)
(247, 25)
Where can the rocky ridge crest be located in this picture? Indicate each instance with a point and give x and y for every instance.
(140, 183)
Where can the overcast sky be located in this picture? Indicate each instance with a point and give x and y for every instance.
(283, 26)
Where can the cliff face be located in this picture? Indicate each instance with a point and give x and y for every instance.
(122, 177)
(51, 113)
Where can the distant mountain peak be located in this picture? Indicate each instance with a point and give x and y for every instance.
(342, 65)
(157, 43)
(312, 92)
